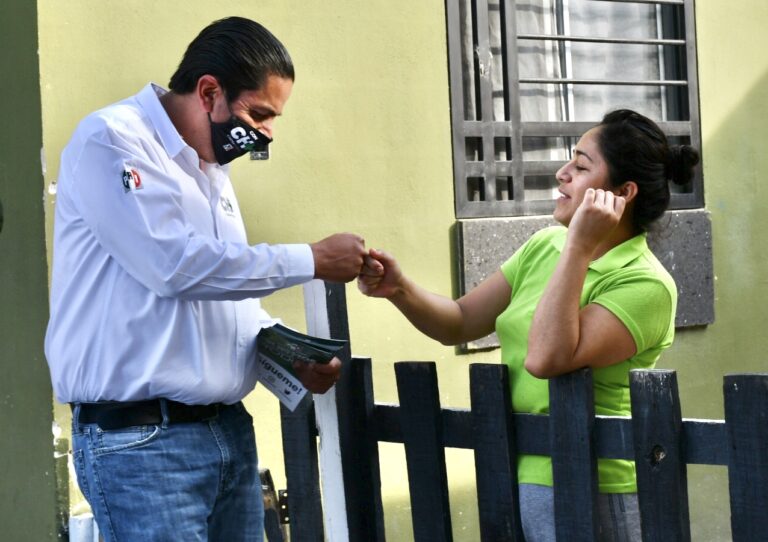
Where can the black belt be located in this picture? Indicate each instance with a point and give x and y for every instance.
(116, 415)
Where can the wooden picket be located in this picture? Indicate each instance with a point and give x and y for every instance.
(657, 438)
(493, 434)
(746, 420)
(657, 428)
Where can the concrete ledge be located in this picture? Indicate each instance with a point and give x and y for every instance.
(682, 241)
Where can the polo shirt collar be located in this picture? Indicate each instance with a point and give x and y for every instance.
(149, 99)
(617, 257)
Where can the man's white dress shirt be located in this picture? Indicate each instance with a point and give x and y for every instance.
(154, 285)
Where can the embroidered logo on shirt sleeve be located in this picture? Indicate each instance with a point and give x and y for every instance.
(131, 179)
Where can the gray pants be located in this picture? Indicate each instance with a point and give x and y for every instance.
(618, 515)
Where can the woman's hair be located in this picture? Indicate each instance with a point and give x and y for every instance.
(636, 149)
(238, 52)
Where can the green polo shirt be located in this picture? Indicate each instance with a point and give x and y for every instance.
(628, 281)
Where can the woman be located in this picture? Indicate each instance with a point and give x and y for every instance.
(590, 294)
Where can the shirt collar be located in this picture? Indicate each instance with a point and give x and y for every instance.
(617, 257)
(149, 99)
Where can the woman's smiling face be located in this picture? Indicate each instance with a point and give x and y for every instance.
(587, 169)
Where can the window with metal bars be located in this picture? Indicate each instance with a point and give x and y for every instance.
(528, 77)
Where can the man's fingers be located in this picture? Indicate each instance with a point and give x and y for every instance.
(318, 377)
(331, 368)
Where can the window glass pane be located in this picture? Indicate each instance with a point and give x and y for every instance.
(503, 149)
(474, 149)
(568, 71)
(497, 61)
(613, 61)
(540, 187)
(469, 76)
(546, 149)
(539, 59)
(504, 189)
(475, 188)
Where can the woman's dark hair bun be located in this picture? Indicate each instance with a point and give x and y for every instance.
(682, 160)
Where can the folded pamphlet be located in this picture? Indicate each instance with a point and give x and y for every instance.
(279, 347)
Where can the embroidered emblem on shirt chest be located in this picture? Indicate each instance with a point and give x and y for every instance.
(131, 179)
(229, 210)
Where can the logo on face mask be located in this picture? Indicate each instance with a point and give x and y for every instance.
(234, 138)
(242, 138)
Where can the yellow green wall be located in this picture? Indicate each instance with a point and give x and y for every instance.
(365, 146)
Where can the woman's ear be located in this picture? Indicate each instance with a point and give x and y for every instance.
(628, 190)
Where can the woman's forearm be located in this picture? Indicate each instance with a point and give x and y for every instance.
(555, 330)
(436, 316)
(451, 322)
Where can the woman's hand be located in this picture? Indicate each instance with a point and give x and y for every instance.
(563, 336)
(380, 275)
(597, 216)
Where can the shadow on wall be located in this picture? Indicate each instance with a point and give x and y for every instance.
(734, 166)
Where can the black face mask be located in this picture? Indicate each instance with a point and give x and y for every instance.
(234, 138)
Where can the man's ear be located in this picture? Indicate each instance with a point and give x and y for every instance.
(628, 190)
(207, 90)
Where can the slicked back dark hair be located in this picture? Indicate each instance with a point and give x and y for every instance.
(238, 52)
(636, 149)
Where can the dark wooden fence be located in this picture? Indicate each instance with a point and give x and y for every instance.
(656, 437)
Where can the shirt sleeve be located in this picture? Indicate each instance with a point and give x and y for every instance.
(644, 305)
(512, 267)
(150, 232)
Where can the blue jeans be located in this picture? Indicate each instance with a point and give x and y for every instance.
(169, 482)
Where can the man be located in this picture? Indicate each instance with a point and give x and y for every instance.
(154, 300)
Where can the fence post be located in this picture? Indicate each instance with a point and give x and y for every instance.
(574, 460)
(495, 459)
(746, 421)
(422, 426)
(301, 472)
(325, 307)
(657, 427)
(360, 453)
(349, 451)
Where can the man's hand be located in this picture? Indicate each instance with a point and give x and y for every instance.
(338, 258)
(318, 377)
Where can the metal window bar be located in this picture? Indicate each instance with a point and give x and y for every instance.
(680, 98)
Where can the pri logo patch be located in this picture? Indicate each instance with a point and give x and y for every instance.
(131, 179)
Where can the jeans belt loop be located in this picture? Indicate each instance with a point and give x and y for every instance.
(76, 417)
(164, 413)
